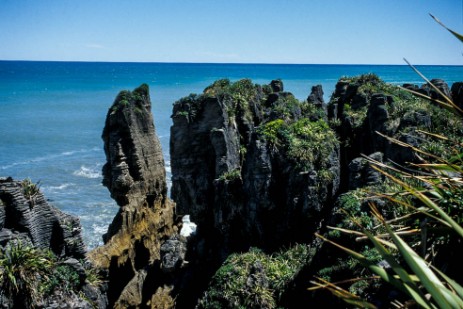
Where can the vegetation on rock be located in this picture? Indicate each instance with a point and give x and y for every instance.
(412, 228)
(28, 276)
(254, 279)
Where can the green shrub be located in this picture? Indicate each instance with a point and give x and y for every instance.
(30, 190)
(271, 131)
(254, 279)
(23, 269)
(231, 175)
(28, 275)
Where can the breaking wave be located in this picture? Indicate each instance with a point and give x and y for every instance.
(88, 172)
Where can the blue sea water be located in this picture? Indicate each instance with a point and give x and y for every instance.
(52, 115)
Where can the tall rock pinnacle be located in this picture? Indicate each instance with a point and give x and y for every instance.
(136, 178)
(134, 172)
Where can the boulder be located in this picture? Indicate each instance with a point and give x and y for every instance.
(316, 96)
(361, 174)
(277, 85)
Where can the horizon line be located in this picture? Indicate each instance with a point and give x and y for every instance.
(223, 63)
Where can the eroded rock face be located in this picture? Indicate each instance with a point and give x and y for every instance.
(30, 227)
(242, 182)
(439, 84)
(368, 110)
(252, 166)
(134, 172)
(135, 176)
(27, 216)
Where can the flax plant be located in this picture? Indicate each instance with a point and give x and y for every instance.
(435, 191)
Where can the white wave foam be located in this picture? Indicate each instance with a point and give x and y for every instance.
(49, 157)
(99, 229)
(87, 172)
(188, 227)
(57, 188)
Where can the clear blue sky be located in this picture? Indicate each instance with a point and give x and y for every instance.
(243, 31)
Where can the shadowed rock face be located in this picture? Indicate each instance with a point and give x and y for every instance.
(457, 94)
(29, 218)
(252, 166)
(241, 187)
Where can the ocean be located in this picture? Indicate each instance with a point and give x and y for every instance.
(52, 115)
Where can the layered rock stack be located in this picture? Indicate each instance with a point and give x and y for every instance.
(241, 170)
(34, 233)
(252, 166)
(369, 110)
(136, 178)
(134, 173)
(26, 216)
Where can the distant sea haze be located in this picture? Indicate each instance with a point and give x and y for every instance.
(52, 115)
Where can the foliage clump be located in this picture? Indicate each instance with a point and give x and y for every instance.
(28, 275)
(136, 98)
(234, 96)
(254, 279)
(30, 190)
(230, 175)
(307, 143)
(22, 270)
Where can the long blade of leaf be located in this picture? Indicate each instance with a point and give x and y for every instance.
(426, 201)
(438, 136)
(458, 288)
(443, 297)
(415, 149)
(423, 210)
(457, 35)
(447, 106)
(409, 284)
(449, 101)
(378, 270)
(337, 283)
(440, 167)
(347, 296)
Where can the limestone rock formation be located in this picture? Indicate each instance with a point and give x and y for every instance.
(135, 176)
(39, 238)
(316, 96)
(252, 166)
(134, 172)
(26, 215)
(361, 174)
(439, 84)
(249, 166)
(269, 186)
(368, 109)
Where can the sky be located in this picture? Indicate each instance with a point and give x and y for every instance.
(233, 31)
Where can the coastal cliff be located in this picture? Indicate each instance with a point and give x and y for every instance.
(257, 171)
(252, 165)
